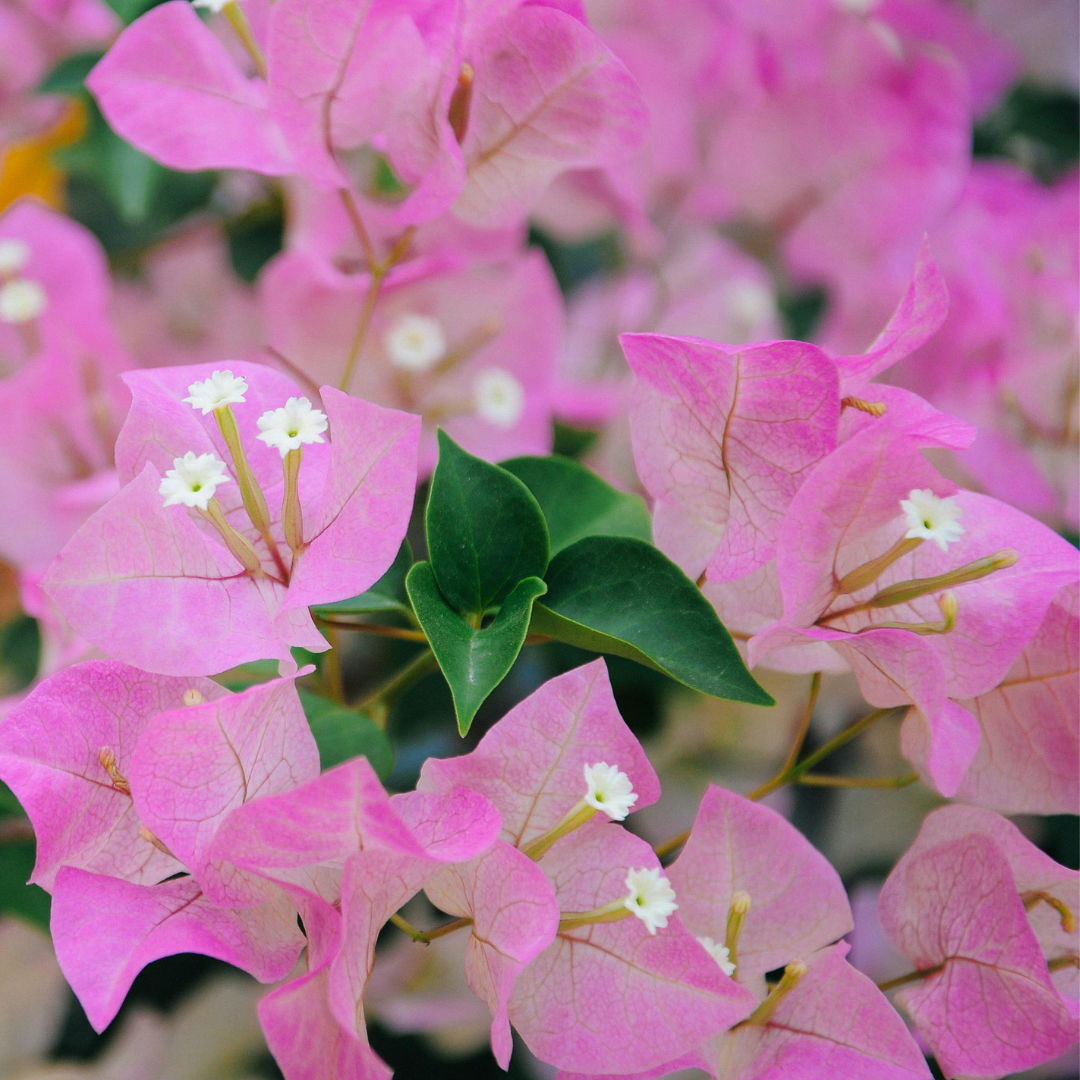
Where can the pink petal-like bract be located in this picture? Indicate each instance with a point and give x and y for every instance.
(170, 87)
(106, 931)
(797, 903)
(194, 765)
(531, 763)
(723, 439)
(51, 748)
(611, 997)
(515, 917)
(987, 1005)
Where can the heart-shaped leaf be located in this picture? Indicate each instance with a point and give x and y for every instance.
(619, 595)
(577, 503)
(386, 595)
(473, 660)
(342, 734)
(485, 531)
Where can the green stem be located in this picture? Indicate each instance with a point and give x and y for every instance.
(818, 780)
(398, 632)
(239, 23)
(377, 704)
(804, 724)
(425, 937)
(790, 775)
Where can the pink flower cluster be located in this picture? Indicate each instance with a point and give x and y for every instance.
(192, 469)
(797, 492)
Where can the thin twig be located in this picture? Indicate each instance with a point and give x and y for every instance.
(398, 632)
(425, 937)
(377, 704)
(804, 724)
(820, 780)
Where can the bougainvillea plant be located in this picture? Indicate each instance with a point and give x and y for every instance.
(251, 521)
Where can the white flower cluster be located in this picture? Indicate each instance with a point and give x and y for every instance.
(609, 790)
(499, 397)
(291, 426)
(415, 343)
(720, 953)
(221, 389)
(193, 480)
(930, 517)
(651, 897)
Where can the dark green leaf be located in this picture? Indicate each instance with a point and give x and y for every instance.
(28, 902)
(485, 531)
(577, 503)
(474, 661)
(130, 10)
(387, 594)
(133, 180)
(622, 596)
(342, 734)
(20, 652)
(572, 442)
(68, 76)
(8, 803)
(245, 675)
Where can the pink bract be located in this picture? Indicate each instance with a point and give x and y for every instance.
(106, 930)
(196, 764)
(987, 1004)
(797, 903)
(611, 997)
(723, 438)
(201, 612)
(506, 316)
(50, 748)
(531, 763)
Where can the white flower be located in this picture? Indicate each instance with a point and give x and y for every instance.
(651, 899)
(415, 343)
(193, 480)
(221, 389)
(13, 256)
(932, 518)
(290, 427)
(21, 300)
(856, 7)
(216, 6)
(720, 953)
(609, 790)
(750, 304)
(500, 398)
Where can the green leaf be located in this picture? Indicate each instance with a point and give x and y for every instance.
(8, 803)
(69, 75)
(485, 531)
(620, 595)
(342, 734)
(577, 503)
(28, 902)
(245, 675)
(387, 594)
(130, 10)
(474, 661)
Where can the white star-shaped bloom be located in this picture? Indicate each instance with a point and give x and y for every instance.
(21, 301)
(292, 426)
(221, 389)
(499, 397)
(14, 255)
(929, 517)
(720, 953)
(609, 790)
(193, 480)
(651, 897)
(216, 6)
(415, 343)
